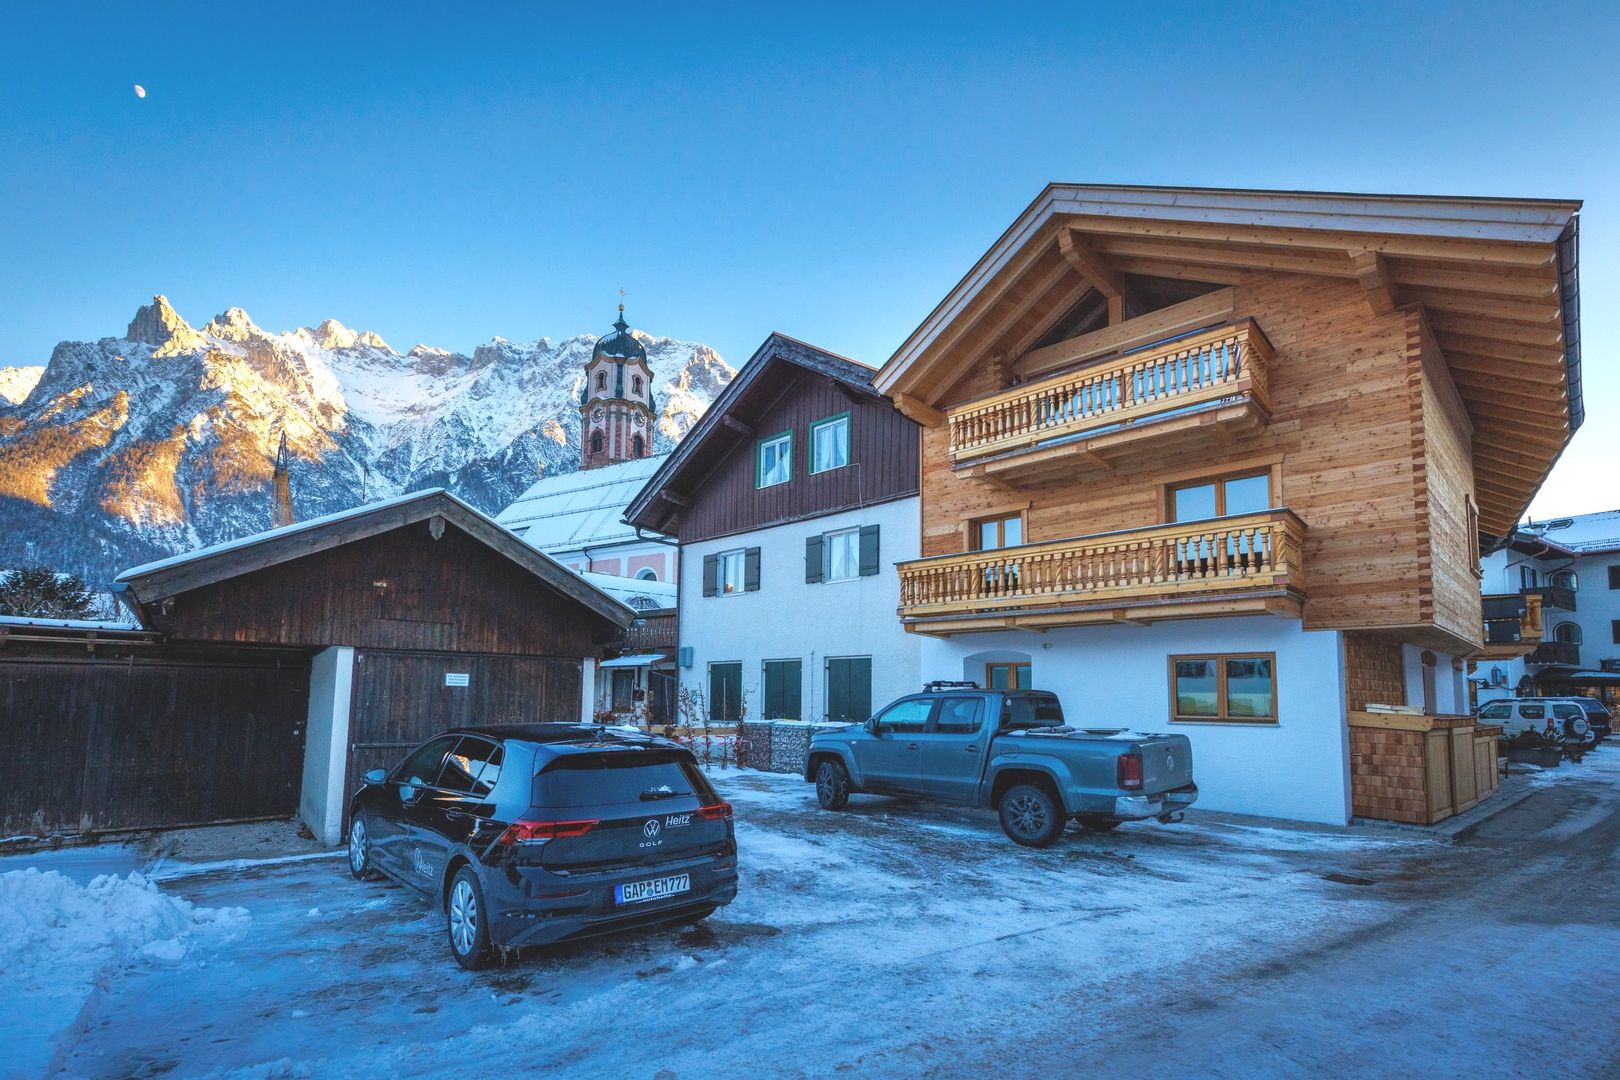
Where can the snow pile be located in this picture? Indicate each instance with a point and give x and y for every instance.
(61, 937)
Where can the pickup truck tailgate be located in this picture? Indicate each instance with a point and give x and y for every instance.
(1166, 763)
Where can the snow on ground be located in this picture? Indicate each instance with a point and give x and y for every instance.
(895, 938)
(62, 938)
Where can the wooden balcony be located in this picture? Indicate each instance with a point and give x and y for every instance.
(1214, 379)
(1224, 566)
(1561, 653)
(1512, 625)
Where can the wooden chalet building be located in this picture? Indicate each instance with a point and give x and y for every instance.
(265, 675)
(1223, 462)
(792, 499)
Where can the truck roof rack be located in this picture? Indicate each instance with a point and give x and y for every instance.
(934, 685)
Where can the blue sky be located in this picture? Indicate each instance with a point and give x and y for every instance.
(829, 172)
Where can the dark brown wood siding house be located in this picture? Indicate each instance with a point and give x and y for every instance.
(367, 630)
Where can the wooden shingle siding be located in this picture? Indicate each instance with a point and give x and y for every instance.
(882, 453)
(1350, 405)
(1373, 671)
(398, 590)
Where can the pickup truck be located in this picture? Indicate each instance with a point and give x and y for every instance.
(1008, 750)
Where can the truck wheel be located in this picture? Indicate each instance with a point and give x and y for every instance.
(832, 784)
(1030, 816)
(1098, 824)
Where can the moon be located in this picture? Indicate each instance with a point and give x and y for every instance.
(140, 91)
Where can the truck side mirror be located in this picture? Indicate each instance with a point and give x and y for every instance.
(873, 727)
(374, 776)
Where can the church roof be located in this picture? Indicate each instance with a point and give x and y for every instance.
(621, 344)
(579, 509)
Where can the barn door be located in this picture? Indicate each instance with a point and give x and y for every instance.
(401, 698)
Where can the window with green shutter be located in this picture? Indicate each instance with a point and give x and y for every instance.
(783, 690)
(849, 688)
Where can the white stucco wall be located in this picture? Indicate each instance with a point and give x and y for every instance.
(326, 743)
(1450, 687)
(1599, 607)
(788, 619)
(1119, 675)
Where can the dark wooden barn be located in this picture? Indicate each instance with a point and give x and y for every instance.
(320, 650)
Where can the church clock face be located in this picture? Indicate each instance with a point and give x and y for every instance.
(640, 420)
(597, 414)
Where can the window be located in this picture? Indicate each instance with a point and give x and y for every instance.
(1013, 676)
(646, 573)
(959, 716)
(1614, 631)
(637, 445)
(998, 532)
(1226, 497)
(841, 556)
(1567, 632)
(775, 463)
(623, 776)
(725, 692)
(635, 383)
(1471, 523)
(1563, 579)
(849, 688)
(1527, 577)
(1532, 712)
(1614, 576)
(1496, 710)
(472, 767)
(597, 442)
(601, 380)
(783, 690)
(422, 767)
(907, 717)
(829, 443)
(729, 572)
(624, 689)
(1239, 689)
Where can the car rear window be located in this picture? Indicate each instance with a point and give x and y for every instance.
(1028, 712)
(617, 776)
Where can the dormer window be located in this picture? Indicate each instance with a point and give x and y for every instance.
(601, 380)
(635, 383)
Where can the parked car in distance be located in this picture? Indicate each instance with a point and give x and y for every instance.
(1008, 750)
(1564, 715)
(533, 834)
(1597, 716)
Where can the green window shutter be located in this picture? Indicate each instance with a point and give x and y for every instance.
(869, 550)
(849, 688)
(812, 558)
(751, 570)
(711, 575)
(784, 686)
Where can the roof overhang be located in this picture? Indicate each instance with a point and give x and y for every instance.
(1496, 278)
(152, 582)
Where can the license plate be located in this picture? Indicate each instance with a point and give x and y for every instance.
(638, 892)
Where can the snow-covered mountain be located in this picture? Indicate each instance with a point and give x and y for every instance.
(144, 445)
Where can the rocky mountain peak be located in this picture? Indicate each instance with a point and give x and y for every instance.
(232, 324)
(158, 324)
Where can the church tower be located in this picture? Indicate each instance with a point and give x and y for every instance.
(616, 406)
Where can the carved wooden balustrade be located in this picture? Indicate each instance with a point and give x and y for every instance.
(1227, 362)
(1222, 555)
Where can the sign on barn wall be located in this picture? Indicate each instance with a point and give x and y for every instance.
(455, 678)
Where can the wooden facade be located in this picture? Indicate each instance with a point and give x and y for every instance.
(709, 489)
(123, 735)
(1341, 361)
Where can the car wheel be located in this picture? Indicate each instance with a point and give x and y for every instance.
(360, 849)
(1030, 816)
(1098, 824)
(832, 785)
(468, 920)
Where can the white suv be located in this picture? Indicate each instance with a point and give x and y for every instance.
(1535, 714)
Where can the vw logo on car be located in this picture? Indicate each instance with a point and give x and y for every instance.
(651, 828)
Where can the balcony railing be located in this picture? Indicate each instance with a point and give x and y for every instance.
(652, 631)
(1251, 552)
(1554, 596)
(1211, 365)
(1565, 653)
(1512, 625)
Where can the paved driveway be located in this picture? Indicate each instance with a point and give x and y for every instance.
(899, 939)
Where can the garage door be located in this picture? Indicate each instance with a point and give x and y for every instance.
(400, 698)
(122, 744)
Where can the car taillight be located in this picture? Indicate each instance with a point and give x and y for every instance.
(1130, 772)
(522, 832)
(720, 811)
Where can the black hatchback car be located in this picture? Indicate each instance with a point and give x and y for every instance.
(534, 834)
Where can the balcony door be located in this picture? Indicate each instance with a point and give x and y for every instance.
(993, 534)
(1228, 496)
